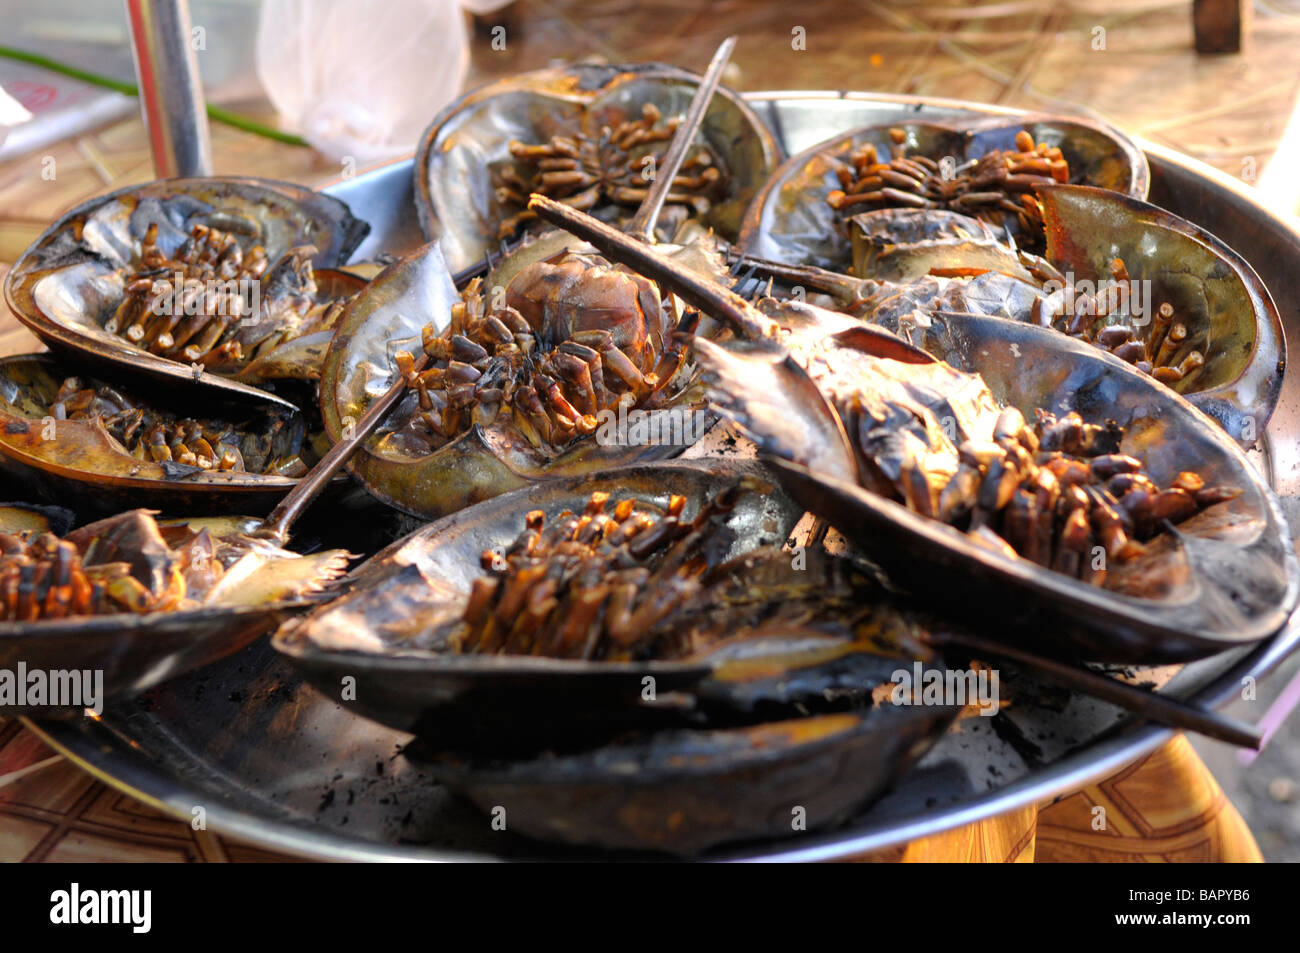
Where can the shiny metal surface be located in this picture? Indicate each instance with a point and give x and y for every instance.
(275, 763)
(171, 94)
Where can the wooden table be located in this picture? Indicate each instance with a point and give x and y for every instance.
(1129, 62)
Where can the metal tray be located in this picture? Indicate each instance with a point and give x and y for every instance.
(276, 764)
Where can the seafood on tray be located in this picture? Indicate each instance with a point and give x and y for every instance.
(592, 136)
(584, 589)
(987, 168)
(1155, 290)
(101, 447)
(141, 599)
(1035, 442)
(555, 363)
(531, 388)
(130, 563)
(999, 403)
(227, 282)
(1127, 277)
(1036, 219)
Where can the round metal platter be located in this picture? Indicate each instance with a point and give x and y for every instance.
(276, 764)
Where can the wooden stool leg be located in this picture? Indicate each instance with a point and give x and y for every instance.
(1166, 807)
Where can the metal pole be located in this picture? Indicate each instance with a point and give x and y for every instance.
(171, 95)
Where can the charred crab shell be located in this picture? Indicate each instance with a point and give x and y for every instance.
(790, 221)
(1225, 578)
(427, 575)
(479, 464)
(77, 460)
(137, 652)
(685, 792)
(454, 195)
(66, 283)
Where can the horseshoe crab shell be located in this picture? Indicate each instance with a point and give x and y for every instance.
(484, 460)
(565, 741)
(1227, 577)
(376, 630)
(384, 631)
(682, 792)
(136, 652)
(78, 462)
(72, 278)
(1213, 290)
(1230, 322)
(790, 220)
(469, 141)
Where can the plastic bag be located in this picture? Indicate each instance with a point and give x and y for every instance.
(363, 78)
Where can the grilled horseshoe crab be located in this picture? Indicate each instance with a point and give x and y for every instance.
(614, 619)
(845, 407)
(1151, 288)
(142, 601)
(75, 439)
(588, 135)
(221, 280)
(668, 571)
(986, 168)
(573, 365)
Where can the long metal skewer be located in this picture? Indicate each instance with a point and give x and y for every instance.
(643, 222)
(276, 525)
(1152, 706)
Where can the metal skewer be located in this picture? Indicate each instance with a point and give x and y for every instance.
(643, 222)
(1160, 709)
(277, 523)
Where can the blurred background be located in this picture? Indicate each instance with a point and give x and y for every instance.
(319, 88)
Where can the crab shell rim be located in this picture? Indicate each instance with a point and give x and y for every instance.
(1265, 369)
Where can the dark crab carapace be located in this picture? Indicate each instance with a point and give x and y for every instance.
(683, 792)
(1130, 488)
(85, 442)
(461, 666)
(215, 280)
(1154, 289)
(588, 135)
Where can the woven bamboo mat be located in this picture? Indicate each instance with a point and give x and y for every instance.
(1129, 61)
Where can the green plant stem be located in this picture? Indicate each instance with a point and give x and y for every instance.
(216, 113)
